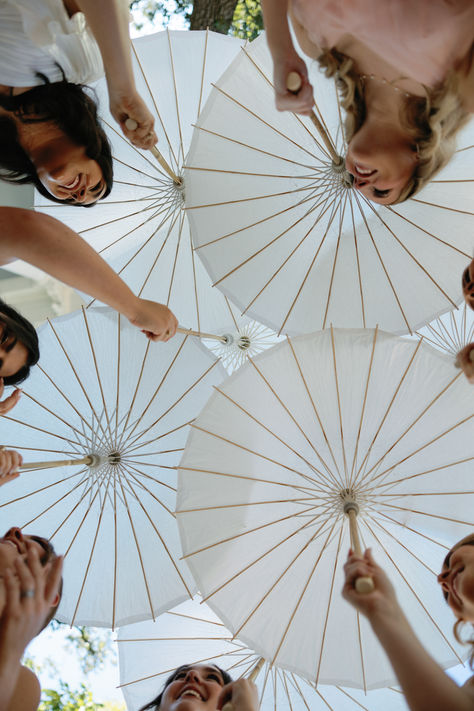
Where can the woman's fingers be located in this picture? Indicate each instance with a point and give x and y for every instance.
(53, 578)
(9, 463)
(10, 401)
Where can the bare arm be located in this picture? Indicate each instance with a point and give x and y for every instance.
(425, 685)
(108, 20)
(48, 244)
(285, 59)
(21, 620)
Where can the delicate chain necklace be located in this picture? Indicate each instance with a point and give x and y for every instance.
(374, 77)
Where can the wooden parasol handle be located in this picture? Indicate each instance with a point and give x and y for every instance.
(363, 585)
(201, 334)
(89, 460)
(132, 125)
(293, 84)
(252, 676)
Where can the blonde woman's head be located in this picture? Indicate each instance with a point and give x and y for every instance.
(406, 159)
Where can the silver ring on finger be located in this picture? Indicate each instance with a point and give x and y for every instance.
(27, 593)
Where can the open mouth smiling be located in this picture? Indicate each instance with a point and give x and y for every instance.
(191, 692)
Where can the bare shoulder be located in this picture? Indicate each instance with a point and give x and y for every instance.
(27, 694)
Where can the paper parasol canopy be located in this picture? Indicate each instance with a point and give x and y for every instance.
(141, 229)
(101, 388)
(286, 237)
(192, 634)
(270, 462)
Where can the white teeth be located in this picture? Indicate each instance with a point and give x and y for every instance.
(73, 183)
(191, 692)
(364, 171)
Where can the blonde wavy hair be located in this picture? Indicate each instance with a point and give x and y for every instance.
(432, 121)
(459, 624)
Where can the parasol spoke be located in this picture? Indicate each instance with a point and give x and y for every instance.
(152, 97)
(386, 472)
(161, 539)
(86, 573)
(127, 473)
(275, 583)
(272, 128)
(372, 489)
(331, 590)
(300, 487)
(178, 117)
(359, 274)
(315, 410)
(362, 412)
(78, 379)
(342, 209)
(280, 439)
(257, 149)
(269, 244)
(412, 256)
(428, 233)
(443, 207)
(155, 439)
(415, 595)
(328, 148)
(260, 455)
(253, 530)
(175, 403)
(164, 243)
(360, 477)
(97, 373)
(333, 205)
(338, 396)
(382, 263)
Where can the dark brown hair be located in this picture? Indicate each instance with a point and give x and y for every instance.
(155, 703)
(25, 332)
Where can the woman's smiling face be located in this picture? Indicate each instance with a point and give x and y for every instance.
(13, 353)
(195, 687)
(457, 581)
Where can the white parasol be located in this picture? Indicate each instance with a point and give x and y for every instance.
(192, 634)
(285, 236)
(102, 389)
(273, 460)
(141, 229)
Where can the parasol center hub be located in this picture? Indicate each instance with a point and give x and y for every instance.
(243, 343)
(114, 458)
(349, 503)
(339, 168)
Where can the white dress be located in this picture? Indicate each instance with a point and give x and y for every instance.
(37, 36)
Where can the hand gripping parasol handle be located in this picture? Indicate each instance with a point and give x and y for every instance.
(132, 125)
(293, 84)
(363, 585)
(252, 676)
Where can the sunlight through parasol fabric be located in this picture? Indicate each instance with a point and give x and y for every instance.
(101, 388)
(141, 229)
(270, 465)
(192, 634)
(285, 236)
